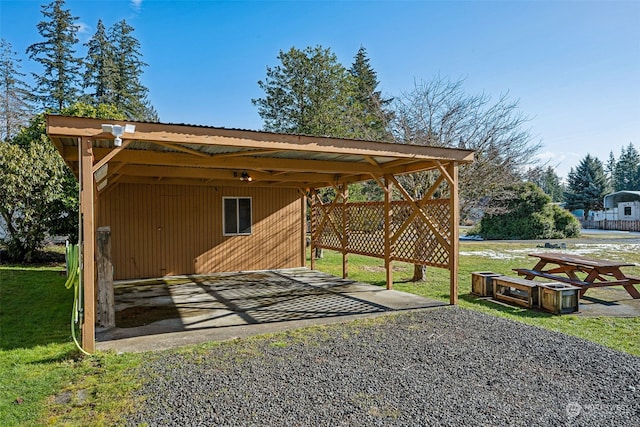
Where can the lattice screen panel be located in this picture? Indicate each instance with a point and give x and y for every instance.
(418, 244)
(330, 236)
(365, 231)
(366, 228)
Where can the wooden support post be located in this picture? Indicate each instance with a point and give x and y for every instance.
(303, 232)
(88, 244)
(454, 206)
(388, 214)
(106, 314)
(344, 192)
(314, 224)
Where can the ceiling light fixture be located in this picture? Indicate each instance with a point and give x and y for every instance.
(244, 176)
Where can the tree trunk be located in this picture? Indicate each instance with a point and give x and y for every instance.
(319, 253)
(419, 273)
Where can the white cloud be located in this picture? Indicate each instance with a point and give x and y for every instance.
(136, 4)
(83, 28)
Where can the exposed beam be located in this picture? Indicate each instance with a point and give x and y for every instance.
(243, 153)
(212, 174)
(274, 164)
(206, 183)
(103, 161)
(179, 147)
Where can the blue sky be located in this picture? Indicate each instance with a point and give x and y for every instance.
(573, 65)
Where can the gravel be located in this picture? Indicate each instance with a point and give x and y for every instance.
(447, 366)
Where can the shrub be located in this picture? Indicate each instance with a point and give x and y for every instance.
(524, 212)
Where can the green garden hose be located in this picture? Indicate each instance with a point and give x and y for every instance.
(73, 279)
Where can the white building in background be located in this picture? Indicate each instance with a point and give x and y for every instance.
(619, 206)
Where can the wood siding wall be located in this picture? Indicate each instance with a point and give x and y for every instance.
(163, 230)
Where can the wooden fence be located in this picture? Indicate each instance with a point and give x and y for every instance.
(612, 225)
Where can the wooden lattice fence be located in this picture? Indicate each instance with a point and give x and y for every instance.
(358, 228)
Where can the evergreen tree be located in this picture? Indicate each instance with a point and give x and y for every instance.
(547, 180)
(627, 170)
(15, 108)
(552, 185)
(610, 169)
(587, 185)
(308, 93)
(99, 72)
(57, 85)
(129, 95)
(375, 116)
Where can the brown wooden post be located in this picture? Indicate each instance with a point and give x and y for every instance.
(314, 224)
(88, 244)
(387, 231)
(454, 206)
(303, 232)
(106, 315)
(344, 191)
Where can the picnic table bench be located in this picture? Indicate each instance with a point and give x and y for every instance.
(564, 267)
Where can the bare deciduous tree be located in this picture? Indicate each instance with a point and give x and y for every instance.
(440, 113)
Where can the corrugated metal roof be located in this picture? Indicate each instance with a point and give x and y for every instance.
(187, 152)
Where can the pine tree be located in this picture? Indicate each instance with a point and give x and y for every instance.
(610, 169)
(587, 185)
(308, 93)
(552, 186)
(99, 68)
(627, 169)
(15, 107)
(375, 116)
(547, 180)
(57, 86)
(129, 95)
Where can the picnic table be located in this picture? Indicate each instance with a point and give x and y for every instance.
(564, 267)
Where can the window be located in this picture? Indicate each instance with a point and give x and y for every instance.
(236, 216)
(627, 211)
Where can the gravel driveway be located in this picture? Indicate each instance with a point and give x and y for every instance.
(446, 366)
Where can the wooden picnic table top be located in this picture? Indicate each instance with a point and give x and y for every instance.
(570, 259)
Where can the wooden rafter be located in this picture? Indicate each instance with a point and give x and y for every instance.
(181, 148)
(247, 153)
(155, 158)
(103, 161)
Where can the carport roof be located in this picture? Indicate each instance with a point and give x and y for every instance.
(199, 155)
(611, 200)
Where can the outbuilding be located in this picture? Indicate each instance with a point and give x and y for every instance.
(624, 204)
(183, 199)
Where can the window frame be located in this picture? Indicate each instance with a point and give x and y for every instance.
(627, 209)
(237, 209)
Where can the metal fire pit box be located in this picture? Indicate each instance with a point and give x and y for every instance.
(558, 298)
(482, 283)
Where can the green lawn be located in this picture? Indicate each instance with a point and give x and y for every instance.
(44, 380)
(39, 361)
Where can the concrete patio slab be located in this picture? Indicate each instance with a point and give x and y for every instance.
(612, 301)
(169, 312)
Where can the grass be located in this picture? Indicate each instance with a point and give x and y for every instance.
(44, 380)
